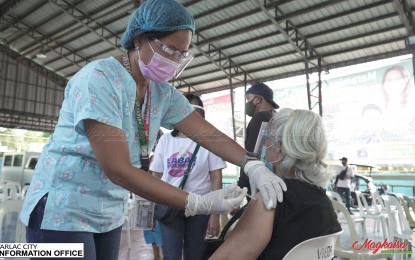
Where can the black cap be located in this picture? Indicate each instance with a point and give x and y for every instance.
(343, 158)
(264, 91)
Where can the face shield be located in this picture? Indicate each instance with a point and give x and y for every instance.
(262, 138)
(266, 147)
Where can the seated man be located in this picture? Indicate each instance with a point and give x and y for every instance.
(294, 149)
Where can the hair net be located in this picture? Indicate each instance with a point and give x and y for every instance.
(157, 16)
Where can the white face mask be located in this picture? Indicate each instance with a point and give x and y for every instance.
(268, 164)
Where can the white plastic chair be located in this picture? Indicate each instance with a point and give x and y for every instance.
(398, 224)
(315, 248)
(374, 213)
(334, 195)
(11, 191)
(356, 219)
(7, 208)
(409, 210)
(347, 252)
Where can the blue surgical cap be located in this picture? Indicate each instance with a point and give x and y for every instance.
(157, 16)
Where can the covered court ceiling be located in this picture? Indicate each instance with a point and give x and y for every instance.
(235, 41)
(263, 40)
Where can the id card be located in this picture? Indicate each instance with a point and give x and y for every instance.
(143, 214)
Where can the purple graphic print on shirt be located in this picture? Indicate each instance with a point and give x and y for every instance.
(177, 163)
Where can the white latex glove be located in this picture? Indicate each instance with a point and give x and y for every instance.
(216, 202)
(269, 185)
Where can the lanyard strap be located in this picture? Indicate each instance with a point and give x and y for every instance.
(186, 173)
(142, 125)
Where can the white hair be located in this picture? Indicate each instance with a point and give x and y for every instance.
(301, 137)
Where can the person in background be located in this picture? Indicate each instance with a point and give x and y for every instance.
(153, 237)
(294, 149)
(261, 107)
(343, 187)
(171, 158)
(112, 111)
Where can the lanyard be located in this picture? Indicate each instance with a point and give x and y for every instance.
(143, 125)
(189, 166)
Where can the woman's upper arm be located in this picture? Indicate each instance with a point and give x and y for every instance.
(204, 133)
(251, 234)
(110, 147)
(177, 108)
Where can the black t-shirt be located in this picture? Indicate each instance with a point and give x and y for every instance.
(305, 213)
(252, 132)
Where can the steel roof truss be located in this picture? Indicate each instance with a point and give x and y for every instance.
(58, 33)
(405, 15)
(224, 63)
(85, 20)
(35, 35)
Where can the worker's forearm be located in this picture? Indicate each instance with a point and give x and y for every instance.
(149, 187)
(224, 147)
(208, 136)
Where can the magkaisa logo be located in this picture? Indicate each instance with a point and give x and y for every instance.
(396, 247)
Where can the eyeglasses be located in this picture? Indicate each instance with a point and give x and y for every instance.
(178, 55)
(184, 58)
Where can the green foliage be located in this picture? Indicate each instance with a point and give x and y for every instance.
(20, 140)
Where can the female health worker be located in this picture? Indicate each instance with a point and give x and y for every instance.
(109, 120)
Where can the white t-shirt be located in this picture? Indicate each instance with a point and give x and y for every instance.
(345, 183)
(172, 156)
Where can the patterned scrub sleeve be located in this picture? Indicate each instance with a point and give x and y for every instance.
(94, 97)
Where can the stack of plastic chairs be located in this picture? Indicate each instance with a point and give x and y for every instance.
(348, 252)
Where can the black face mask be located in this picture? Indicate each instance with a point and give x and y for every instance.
(250, 107)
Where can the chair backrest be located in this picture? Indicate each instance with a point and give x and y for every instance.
(334, 195)
(350, 223)
(314, 248)
(364, 207)
(360, 198)
(407, 208)
(11, 191)
(398, 223)
(24, 191)
(410, 202)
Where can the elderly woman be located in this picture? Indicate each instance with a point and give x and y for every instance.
(108, 123)
(295, 147)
